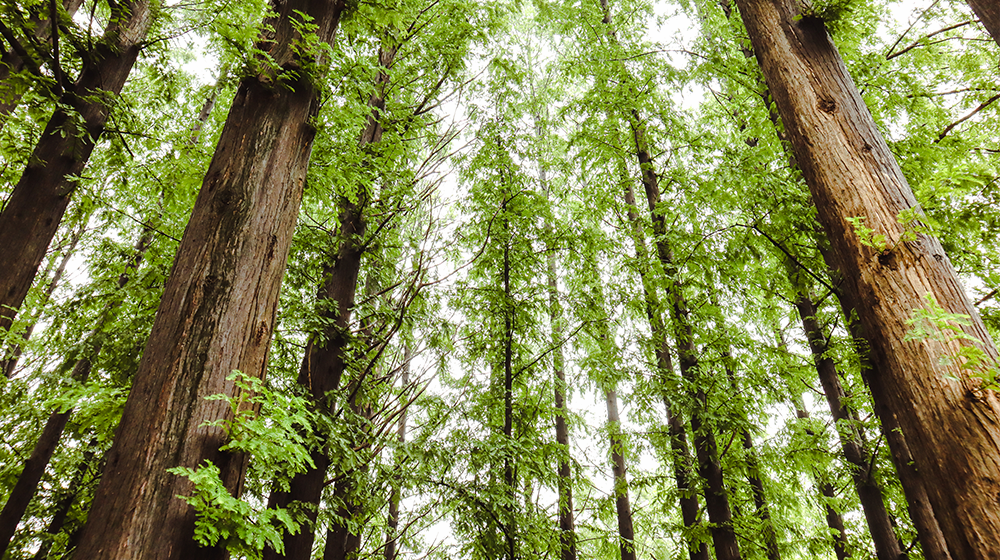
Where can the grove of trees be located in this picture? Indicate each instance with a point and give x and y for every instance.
(567, 279)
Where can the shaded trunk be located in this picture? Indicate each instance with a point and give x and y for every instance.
(392, 523)
(326, 355)
(218, 309)
(833, 518)
(36, 206)
(11, 62)
(34, 467)
(847, 424)
(343, 538)
(510, 531)
(951, 423)
(988, 12)
(760, 498)
(680, 452)
(626, 531)
(9, 364)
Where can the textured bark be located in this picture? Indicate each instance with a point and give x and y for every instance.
(833, 518)
(847, 423)
(949, 421)
(9, 364)
(36, 206)
(988, 12)
(11, 62)
(326, 355)
(217, 311)
(681, 454)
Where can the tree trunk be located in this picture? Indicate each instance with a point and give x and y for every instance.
(392, 523)
(326, 355)
(510, 531)
(37, 204)
(626, 531)
(681, 454)
(11, 62)
(948, 419)
(988, 12)
(846, 422)
(65, 503)
(9, 364)
(218, 308)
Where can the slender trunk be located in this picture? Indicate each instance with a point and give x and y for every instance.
(326, 355)
(65, 503)
(760, 498)
(846, 421)
(392, 524)
(681, 454)
(36, 206)
(11, 62)
(833, 518)
(218, 309)
(626, 531)
(988, 12)
(948, 419)
(9, 364)
(34, 467)
(510, 531)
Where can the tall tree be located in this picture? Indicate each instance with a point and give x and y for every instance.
(989, 16)
(887, 273)
(218, 309)
(36, 206)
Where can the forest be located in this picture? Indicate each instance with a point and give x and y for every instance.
(500, 279)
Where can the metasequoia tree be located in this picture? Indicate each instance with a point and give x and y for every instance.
(218, 308)
(989, 15)
(36, 206)
(947, 413)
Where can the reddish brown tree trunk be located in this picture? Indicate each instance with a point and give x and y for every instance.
(37, 204)
(951, 423)
(988, 12)
(218, 308)
(626, 530)
(833, 518)
(846, 422)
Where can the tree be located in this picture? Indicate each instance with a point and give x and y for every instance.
(989, 16)
(236, 243)
(853, 176)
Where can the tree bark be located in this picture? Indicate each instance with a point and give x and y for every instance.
(218, 308)
(988, 12)
(12, 63)
(36, 206)
(325, 362)
(681, 454)
(510, 531)
(846, 421)
(392, 523)
(833, 518)
(626, 530)
(65, 503)
(948, 419)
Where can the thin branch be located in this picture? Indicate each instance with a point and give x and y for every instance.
(951, 126)
(920, 41)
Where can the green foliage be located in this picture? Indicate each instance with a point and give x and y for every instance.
(966, 352)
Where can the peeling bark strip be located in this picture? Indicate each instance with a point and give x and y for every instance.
(217, 311)
(988, 12)
(952, 427)
(32, 215)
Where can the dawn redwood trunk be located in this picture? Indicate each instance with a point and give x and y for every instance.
(852, 442)
(343, 538)
(951, 423)
(626, 531)
(680, 453)
(988, 12)
(11, 62)
(392, 523)
(326, 355)
(567, 526)
(510, 531)
(36, 206)
(218, 308)
(833, 518)
(26, 487)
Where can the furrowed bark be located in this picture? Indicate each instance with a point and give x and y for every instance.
(948, 418)
(36, 206)
(846, 422)
(681, 454)
(218, 308)
(324, 363)
(988, 12)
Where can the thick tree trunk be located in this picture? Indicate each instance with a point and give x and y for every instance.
(37, 204)
(988, 12)
(681, 454)
(948, 419)
(9, 364)
(846, 422)
(34, 467)
(326, 355)
(11, 62)
(217, 311)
